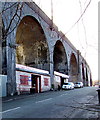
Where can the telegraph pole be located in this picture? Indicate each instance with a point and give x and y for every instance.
(51, 14)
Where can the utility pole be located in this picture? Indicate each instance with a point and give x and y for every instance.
(51, 14)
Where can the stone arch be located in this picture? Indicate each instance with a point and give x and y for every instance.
(32, 47)
(60, 58)
(90, 79)
(86, 77)
(73, 68)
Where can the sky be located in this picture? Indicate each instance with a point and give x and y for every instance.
(84, 34)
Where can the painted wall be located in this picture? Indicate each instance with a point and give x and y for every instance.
(45, 83)
(3, 82)
(24, 82)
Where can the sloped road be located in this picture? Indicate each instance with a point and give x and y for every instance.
(77, 103)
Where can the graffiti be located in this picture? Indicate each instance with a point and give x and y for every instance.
(46, 82)
(24, 80)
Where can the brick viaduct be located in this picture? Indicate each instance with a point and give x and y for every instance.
(40, 45)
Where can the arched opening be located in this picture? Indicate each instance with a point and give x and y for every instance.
(60, 58)
(83, 74)
(90, 79)
(86, 77)
(73, 68)
(32, 47)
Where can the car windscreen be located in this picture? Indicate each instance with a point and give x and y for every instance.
(66, 84)
(77, 83)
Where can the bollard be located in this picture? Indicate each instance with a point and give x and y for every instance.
(98, 95)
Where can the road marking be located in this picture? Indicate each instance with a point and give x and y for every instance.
(10, 110)
(43, 100)
(62, 95)
(8, 100)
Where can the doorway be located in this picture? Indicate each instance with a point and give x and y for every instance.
(36, 83)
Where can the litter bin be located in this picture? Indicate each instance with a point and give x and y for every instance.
(98, 95)
(32, 90)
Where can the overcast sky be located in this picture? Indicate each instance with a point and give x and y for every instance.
(84, 34)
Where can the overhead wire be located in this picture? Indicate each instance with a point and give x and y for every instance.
(77, 20)
(87, 45)
(84, 30)
(52, 11)
(79, 38)
(80, 18)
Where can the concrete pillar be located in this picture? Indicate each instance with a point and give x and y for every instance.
(51, 67)
(79, 66)
(69, 66)
(11, 73)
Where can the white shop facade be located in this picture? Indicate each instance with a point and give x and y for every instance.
(30, 79)
(60, 79)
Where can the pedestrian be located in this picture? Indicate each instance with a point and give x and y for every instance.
(59, 87)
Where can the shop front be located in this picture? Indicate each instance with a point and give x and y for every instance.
(31, 80)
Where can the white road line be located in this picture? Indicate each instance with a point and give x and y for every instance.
(62, 95)
(43, 100)
(10, 110)
(8, 100)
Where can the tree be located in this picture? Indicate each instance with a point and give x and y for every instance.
(9, 23)
(11, 14)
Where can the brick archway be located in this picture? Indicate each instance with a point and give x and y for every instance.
(87, 77)
(83, 74)
(60, 58)
(33, 48)
(73, 68)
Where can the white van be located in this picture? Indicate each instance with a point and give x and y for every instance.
(68, 85)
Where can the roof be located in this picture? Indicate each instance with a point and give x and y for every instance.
(61, 74)
(31, 69)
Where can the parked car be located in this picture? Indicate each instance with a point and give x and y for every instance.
(78, 85)
(68, 85)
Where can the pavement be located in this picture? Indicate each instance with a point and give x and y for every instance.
(16, 97)
(21, 96)
(94, 105)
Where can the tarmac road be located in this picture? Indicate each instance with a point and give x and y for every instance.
(77, 103)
